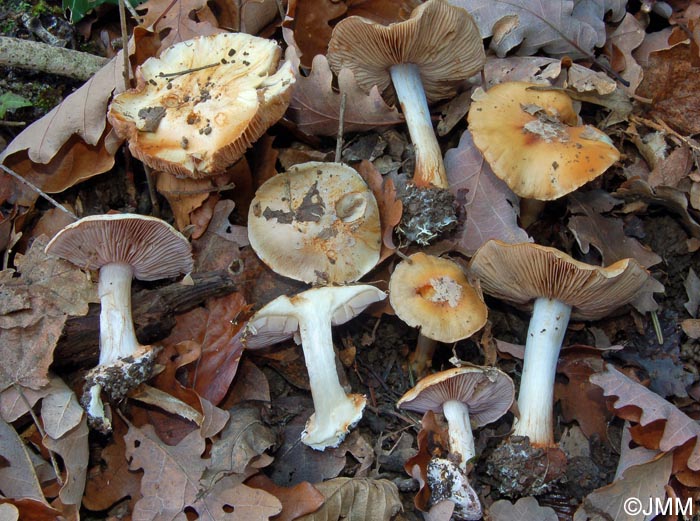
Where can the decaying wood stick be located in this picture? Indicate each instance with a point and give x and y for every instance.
(36, 56)
(154, 316)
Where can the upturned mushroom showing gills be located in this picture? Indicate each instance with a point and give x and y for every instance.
(121, 247)
(317, 222)
(469, 396)
(425, 58)
(313, 313)
(560, 287)
(199, 105)
(433, 294)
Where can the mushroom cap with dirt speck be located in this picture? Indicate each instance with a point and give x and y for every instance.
(434, 294)
(318, 223)
(532, 140)
(488, 392)
(197, 123)
(441, 39)
(154, 249)
(523, 272)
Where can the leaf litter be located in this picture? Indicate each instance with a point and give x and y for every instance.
(223, 425)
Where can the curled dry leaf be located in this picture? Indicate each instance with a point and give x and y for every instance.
(557, 27)
(72, 142)
(315, 105)
(491, 208)
(357, 499)
(638, 404)
(525, 509)
(626, 38)
(297, 501)
(180, 21)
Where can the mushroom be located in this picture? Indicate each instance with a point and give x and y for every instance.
(203, 102)
(531, 138)
(434, 294)
(317, 222)
(469, 396)
(121, 247)
(312, 313)
(560, 287)
(425, 58)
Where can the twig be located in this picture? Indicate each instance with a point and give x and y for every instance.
(125, 43)
(39, 191)
(186, 71)
(41, 57)
(341, 124)
(12, 123)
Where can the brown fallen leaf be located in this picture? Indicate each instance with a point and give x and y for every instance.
(18, 479)
(247, 16)
(638, 404)
(184, 467)
(315, 105)
(558, 29)
(491, 208)
(692, 289)
(581, 400)
(524, 509)
(179, 21)
(641, 474)
(299, 500)
(309, 20)
(606, 234)
(110, 480)
(218, 247)
(390, 206)
(72, 448)
(626, 38)
(357, 499)
(671, 170)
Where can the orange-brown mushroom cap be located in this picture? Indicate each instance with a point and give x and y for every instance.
(522, 272)
(203, 102)
(434, 294)
(532, 140)
(441, 39)
(317, 222)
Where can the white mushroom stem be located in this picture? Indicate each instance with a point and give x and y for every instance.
(460, 432)
(117, 335)
(335, 411)
(536, 397)
(430, 170)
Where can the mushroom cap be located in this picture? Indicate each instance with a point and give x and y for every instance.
(522, 272)
(434, 294)
(488, 392)
(279, 320)
(441, 39)
(199, 122)
(317, 222)
(154, 249)
(532, 141)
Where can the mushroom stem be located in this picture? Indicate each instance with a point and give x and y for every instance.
(117, 335)
(430, 170)
(460, 432)
(422, 357)
(536, 397)
(328, 424)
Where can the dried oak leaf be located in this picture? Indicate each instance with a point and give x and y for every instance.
(246, 16)
(297, 501)
(692, 289)
(581, 400)
(171, 482)
(626, 38)
(670, 427)
(357, 499)
(641, 475)
(309, 20)
(180, 21)
(218, 247)
(390, 206)
(315, 105)
(18, 478)
(72, 447)
(559, 27)
(606, 234)
(525, 509)
(491, 208)
(72, 142)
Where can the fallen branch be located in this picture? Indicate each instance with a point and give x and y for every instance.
(42, 57)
